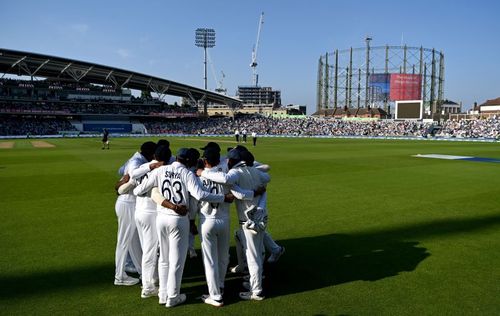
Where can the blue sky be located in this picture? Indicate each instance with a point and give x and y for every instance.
(157, 38)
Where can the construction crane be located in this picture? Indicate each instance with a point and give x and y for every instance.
(220, 86)
(253, 65)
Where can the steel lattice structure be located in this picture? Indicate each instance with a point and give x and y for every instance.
(344, 76)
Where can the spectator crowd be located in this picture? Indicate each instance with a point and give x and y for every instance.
(83, 108)
(309, 126)
(10, 126)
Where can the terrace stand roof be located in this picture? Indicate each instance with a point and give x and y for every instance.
(64, 69)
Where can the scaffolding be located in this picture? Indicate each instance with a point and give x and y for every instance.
(344, 76)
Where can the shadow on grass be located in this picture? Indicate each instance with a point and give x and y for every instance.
(57, 280)
(309, 263)
(322, 261)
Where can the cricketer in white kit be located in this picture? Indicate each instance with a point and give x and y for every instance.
(247, 178)
(127, 241)
(145, 220)
(215, 228)
(176, 183)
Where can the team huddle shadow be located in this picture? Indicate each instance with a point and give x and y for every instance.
(309, 263)
(313, 263)
(322, 261)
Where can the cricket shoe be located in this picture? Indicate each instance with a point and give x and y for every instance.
(149, 293)
(238, 269)
(128, 280)
(171, 302)
(274, 257)
(249, 296)
(192, 253)
(131, 269)
(210, 301)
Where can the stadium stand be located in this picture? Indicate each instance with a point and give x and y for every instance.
(50, 107)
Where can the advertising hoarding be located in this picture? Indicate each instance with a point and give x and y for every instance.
(379, 86)
(405, 87)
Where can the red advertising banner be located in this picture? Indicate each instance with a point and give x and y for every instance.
(406, 87)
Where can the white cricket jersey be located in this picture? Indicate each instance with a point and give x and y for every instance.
(176, 183)
(138, 157)
(247, 178)
(215, 210)
(133, 163)
(143, 202)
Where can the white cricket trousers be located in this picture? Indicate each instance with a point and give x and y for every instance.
(270, 246)
(254, 248)
(173, 235)
(127, 239)
(146, 229)
(215, 234)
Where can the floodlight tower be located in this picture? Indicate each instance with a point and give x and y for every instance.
(205, 38)
(367, 95)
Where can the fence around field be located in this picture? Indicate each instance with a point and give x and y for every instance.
(120, 135)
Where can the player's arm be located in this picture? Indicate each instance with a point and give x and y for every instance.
(161, 200)
(121, 182)
(263, 201)
(261, 166)
(127, 186)
(148, 184)
(140, 171)
(196, 189)
(231, 177)
(264, 177)
(121, 170)
(244, 194)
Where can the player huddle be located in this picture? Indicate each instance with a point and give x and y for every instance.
(160, 196)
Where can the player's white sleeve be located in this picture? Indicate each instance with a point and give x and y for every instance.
(140, 171)
(242, 194)
(147, 184)
(263, 202)
(156, 196)
(121, 170)
(127, 186)
(195, 188)
(231, 177)
(264, 177)
(132, 165)
(262, 167)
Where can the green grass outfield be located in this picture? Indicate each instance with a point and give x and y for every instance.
(368, 230)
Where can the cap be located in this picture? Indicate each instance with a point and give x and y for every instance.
(211, 145)
(163, 153)
(148, 149)
(240, 148)
(234, 154)
(183, 153)
(193, 154)
(163, 142)
(248, 157)
(211, 154)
